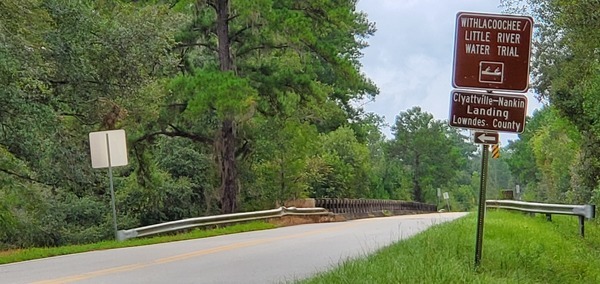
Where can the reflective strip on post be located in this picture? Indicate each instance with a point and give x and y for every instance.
(496, 151)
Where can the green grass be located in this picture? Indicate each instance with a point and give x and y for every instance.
(516, 249)
(35, 253)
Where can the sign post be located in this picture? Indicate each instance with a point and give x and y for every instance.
(447, 197)
(491, 53)
(481, 207)
(107, 150)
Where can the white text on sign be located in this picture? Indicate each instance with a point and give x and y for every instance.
(474, 38)
(488, 111)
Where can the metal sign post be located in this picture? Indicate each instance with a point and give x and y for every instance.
(439, 194)
(447, 198)
(108, 149)
(481, 207)
(491, 53)
(112, 190)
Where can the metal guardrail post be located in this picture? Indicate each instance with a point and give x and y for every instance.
(582, 226)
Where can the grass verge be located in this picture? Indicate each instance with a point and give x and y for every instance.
(516, 249)
(35, 253)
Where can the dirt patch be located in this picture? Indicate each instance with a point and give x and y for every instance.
(9, 252)
(291, 220)
(297, 220)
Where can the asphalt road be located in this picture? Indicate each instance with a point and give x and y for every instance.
(272, 256)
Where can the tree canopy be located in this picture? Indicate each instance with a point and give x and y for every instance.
(234, 105)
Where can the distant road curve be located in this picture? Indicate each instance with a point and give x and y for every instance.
(272, 256)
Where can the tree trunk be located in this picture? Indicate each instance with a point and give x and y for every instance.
(226, 140)
(225, 61)
(226, 153)
(417, 191)
(281, 181)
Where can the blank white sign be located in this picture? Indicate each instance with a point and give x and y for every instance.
(99, 147)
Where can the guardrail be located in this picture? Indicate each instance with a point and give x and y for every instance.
(351, 206)
(216, 220)
(582, 211)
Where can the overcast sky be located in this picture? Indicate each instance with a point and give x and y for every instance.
(410, 57)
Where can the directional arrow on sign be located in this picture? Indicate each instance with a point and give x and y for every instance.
(489, 138)
(485, 138)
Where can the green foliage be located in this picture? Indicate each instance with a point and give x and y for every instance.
(464, 198)
(430, 151)
(67, 68)
(104, 54)
(521, 159)
(566, 68)
(499, 175)
(393, 179)
(281, 168)
(548, 157)
(35, 217)
(175, 185)
(556, 148)
(286, 107)
(285, 60)
(349, 163)
(77, 220)
(221, 92)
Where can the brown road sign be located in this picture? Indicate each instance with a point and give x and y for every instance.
(492, 51)
(486, 111)
(489, 138)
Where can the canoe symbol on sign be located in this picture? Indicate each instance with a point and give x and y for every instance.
(491, 72)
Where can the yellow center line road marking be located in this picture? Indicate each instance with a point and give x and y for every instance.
(131, 267)
(93, 274)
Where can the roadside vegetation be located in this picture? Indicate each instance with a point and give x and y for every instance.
(236, 106)
(220, 116)
(516, 249)
(36, 253)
